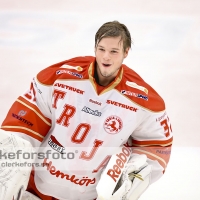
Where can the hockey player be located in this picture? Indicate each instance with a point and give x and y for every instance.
(98, 130)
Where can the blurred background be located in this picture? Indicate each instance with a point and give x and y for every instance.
(165, 52)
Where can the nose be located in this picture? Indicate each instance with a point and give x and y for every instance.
(106, 56)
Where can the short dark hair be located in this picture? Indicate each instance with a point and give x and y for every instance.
(114, 29)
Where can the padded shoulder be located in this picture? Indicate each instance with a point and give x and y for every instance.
(75, 68)
(138, 91)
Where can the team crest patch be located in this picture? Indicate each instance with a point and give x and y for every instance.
(113, 124)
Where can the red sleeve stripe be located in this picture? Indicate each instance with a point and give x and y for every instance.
(34, 110)
(153, 142)
(152, 157)
(25, 130)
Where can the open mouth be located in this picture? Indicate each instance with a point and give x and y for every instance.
(106, 65)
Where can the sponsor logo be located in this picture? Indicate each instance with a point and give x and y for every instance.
(163, 152)
(73, 89)
(78, 68)
(22, 113)
(161, 117)
(68, 72)
(95, 102)
(113, 124)
(22, 119)
(54, 144)
(92, 112)
(36, 86)
(134, 85)
(122, 158)
(134, 94)
(115, 103)
(72, 178)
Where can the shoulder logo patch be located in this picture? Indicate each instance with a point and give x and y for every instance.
(134, 85)
(22, 113)
(68, 72)
(134, 94)
(78, 68)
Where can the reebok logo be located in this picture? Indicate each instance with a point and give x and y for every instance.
(119, 163)
(95, 102)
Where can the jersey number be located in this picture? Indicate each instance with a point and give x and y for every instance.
(167, 128)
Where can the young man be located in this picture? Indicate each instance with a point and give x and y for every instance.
(98, 124)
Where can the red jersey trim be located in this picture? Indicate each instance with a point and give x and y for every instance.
(107, 88)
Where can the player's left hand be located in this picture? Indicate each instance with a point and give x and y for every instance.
(134, 165)
(134, 180)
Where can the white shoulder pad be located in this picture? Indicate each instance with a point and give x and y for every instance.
(14, 168)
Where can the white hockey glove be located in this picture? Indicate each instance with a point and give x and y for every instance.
(133, 178)
(14, 168)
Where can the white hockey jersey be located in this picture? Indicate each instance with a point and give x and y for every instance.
(77, 124)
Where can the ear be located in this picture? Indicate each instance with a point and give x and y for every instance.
(126, 52)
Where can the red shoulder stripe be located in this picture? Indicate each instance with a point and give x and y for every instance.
(153, 142)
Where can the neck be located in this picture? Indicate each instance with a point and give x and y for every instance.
(101, 80)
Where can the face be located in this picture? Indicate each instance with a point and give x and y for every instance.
(109, 57)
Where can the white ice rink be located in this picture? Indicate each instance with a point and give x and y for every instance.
(166, 53)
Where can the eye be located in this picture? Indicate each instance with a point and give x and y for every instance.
(100, 49)
(113, 51)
